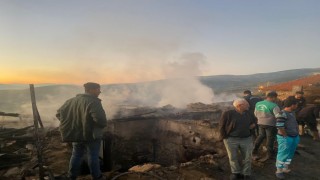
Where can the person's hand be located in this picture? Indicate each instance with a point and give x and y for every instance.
(282, 132)
(252, 126)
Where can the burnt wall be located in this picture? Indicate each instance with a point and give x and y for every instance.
(163, 141)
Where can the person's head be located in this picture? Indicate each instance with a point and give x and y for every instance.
(241, 105)
(247, 93)
(290, 104)
(272, 96)
(92, 88)
(299, 94)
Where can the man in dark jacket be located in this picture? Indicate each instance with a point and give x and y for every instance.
(308, 115)
(252, 100)
(82, 120)
(301, 104)
(234, 128)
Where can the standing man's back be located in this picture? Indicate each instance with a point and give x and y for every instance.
(82, 120)
(265, 112)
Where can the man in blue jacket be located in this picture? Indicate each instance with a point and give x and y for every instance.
(82, 120)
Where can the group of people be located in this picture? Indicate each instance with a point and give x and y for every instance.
(244, 128)
(82, 120)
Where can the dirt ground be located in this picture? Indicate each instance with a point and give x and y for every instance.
(305, 165)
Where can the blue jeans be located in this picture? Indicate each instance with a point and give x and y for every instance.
(286, 149)
(245, 146)
(92, 149)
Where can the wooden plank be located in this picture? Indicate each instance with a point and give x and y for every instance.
(37, 121)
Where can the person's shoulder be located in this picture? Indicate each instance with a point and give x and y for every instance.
(281, 115)
(72, 99)
(262, 102)
(247, 97)
(88, 97)
(270, 103)
(267, 104)
(256, 97)
(229, 111)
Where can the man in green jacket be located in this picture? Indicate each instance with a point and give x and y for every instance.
(265, 112)
(82, 120)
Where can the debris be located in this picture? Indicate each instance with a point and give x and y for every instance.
(144, 168)
(173, 168)
(13, 172)
(185, 164)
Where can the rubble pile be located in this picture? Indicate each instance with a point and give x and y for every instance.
(146, 143)
(201, 107)
(193, 111)
(13, 149)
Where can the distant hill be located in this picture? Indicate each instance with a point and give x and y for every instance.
(146, 93)
(304, 81)
(19, 86)
(13, 86)
(234, 83)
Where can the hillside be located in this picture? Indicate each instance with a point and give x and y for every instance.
(154, 93)
(287, 86)
(237, 83)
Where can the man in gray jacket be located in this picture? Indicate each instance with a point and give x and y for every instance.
(82, 120)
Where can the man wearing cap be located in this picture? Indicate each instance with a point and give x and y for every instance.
(265, 112)
(82, 120)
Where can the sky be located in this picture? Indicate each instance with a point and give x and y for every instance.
(126, 41)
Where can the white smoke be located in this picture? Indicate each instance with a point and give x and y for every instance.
(180, 88)
(185, 88)
(48, 101)
(181, 92)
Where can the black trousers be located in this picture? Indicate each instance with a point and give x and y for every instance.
(268, 132)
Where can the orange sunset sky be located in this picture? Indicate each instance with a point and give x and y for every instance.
(132, 41)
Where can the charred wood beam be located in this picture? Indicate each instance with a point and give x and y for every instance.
(13, 132)
(37, 121)
(134, 117)
(20, 138)
(12, 160)
(10, 165)
(9, 114)
(36, 115)
(138, 118)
